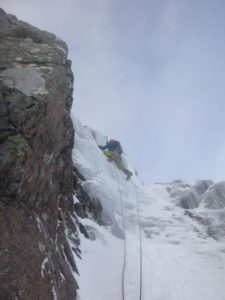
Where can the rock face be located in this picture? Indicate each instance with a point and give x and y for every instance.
(36, 175)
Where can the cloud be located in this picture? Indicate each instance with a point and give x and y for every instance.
(150, 73)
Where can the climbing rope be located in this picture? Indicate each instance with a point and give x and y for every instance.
(125, 246)
(124, 230)
(140, 243)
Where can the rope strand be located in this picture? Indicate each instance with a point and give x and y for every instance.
(125, 246)
(124, 230)
(140, 245)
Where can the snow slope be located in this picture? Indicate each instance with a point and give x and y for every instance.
(149, 247)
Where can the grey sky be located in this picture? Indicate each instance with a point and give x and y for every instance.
(148, 72)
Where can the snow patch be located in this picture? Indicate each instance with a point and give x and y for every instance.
(55, 297)
(39, 223)
(43, 266)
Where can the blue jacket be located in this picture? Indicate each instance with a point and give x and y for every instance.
(112, 145)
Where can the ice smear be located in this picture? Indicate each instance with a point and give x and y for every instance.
(55, 297)
(43, 266)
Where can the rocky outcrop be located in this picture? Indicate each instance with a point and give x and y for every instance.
(214, 197)
(187, 196)
(37, 223)
(204, 202)
(212, 210)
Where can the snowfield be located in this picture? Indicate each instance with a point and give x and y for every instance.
(152, 247)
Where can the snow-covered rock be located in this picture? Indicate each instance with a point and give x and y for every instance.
(214, 197)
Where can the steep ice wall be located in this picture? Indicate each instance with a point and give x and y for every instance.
(103, 180)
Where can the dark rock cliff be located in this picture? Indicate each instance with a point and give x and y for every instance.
(37, 220)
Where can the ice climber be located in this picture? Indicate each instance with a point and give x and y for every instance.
(113, 151)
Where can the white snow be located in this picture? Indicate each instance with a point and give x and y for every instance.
(39, 223)
(55, 297)
(175, 259)
(43, 266)
(75, 200)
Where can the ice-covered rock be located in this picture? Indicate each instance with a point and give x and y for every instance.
(188, 196)
(204, 202)
(214, 197)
